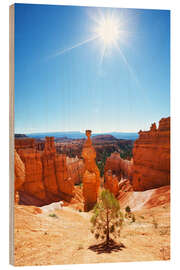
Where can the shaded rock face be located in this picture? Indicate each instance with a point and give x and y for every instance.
(151, 156)
(120, 167)
(91, 177)
(46, 178)
(111, 183)
(76, 168)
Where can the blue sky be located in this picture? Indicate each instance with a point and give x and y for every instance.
(57, 90)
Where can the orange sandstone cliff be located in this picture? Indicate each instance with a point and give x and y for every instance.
(151, 156)
(111, 183)
(76, 168)
(19, 174)
(46, 175)
(120, 167)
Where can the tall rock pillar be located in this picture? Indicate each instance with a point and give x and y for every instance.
(91, 177)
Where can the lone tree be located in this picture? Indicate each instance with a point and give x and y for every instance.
(107, 218)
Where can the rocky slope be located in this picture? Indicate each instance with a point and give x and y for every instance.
(63, 236)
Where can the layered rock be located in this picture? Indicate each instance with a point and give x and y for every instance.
(111, 182)
(91, 177)
(34, 173)
(120, 167)
(24, 143)
(19, 175)
(151, 156)
(64, 182)
(46, 178)
(75, 167)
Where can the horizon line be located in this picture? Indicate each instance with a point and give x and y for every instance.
(83, 132)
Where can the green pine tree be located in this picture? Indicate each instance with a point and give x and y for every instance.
(107, 218)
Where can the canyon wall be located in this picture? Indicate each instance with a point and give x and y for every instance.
(46, 174)
(151, 156)
(76, 169)
(19, 175)
(120, 167)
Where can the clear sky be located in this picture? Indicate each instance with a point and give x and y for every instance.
(80, 68)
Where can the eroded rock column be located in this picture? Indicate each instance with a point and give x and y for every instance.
(91, 177)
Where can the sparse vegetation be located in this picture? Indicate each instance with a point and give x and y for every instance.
(53, 215)
(126, 150)
(129, 214)
(128, 209)
(101, 163)
(107, 218)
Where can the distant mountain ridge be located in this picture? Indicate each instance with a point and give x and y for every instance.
(79, 135)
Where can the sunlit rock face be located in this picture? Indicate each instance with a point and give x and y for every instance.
(24, 143)
(113, 163)
(34, 173)
(49, 172)
(151, 156)
(19, 175)
(111, 182)
(46, 175)
(120, 167)
(91, 177)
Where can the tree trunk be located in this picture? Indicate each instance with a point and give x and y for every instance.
(107, 230)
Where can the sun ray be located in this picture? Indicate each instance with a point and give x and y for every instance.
(133, 75)
(74, 46)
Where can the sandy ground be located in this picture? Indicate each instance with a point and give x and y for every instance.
(65, 238)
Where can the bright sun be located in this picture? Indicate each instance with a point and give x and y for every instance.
(108, 31)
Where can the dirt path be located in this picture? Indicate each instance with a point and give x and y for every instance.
(65, 238)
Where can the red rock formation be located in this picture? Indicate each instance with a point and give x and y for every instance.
(91, 177)
(46, 177)
(64, 182)
(24, 143)
(120, 167)
(113, 163)
(75, 167)
(19, 175)
(151, 156)
(111, 183)
(34, 173)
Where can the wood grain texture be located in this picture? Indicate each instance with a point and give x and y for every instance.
(11, 134)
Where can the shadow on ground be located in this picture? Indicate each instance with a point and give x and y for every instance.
(104, 248)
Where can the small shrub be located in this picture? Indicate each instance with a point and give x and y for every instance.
(128, 209)
(53, 215)
(129, 214)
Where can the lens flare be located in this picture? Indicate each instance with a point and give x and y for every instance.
(108, 31)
